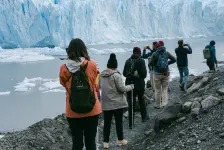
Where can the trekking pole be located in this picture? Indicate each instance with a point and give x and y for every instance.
(132, 108)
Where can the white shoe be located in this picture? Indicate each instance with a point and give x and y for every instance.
(106, 145)
(122, 142)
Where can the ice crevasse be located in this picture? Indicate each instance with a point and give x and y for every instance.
(41, 23)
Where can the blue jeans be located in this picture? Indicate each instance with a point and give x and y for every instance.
(184, 73)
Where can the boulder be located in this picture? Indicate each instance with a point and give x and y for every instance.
(210, 102)
(196, 86)
(187, 107)
(195, 104)
(199, 99)
(195, 112)
(221, 91)
(166, 116)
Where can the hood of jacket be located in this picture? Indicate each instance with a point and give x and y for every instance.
(108, 72)
(74, 66)
(161, 49)
(135, 56)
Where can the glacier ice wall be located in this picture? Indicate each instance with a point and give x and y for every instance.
(40, 23)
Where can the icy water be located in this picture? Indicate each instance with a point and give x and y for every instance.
(30, 91)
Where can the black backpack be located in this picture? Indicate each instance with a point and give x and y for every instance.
(82, 98)
(130, 67)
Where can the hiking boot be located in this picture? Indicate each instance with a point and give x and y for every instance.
(122, 142)
(106, 145)
(181, 87)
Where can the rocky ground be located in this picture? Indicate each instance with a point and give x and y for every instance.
(192, 120)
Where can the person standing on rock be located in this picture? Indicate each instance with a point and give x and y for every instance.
(135, 73)
(182, 63)
(78, 76)
(113, 100)
(212, 61)
(161, 60)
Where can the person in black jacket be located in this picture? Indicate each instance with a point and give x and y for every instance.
(182, 63)
(135, 73)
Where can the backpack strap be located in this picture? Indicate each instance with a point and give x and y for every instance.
(70, 74)
(83, 68)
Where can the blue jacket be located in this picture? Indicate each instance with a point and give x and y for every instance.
(213, 53)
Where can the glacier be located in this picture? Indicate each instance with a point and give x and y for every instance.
(52, 23)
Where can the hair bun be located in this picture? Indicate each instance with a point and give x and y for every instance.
(112, 56)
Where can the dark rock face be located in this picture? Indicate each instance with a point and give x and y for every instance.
(221, 91)
(199, 130)
(166, 116)
(49, 134)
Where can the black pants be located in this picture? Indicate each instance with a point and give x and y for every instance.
(118, 115)
(83, 126)
(142, 105)
(211, 65)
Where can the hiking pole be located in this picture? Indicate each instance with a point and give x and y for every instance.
(132, 108)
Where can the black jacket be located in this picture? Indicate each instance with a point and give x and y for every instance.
(181, 52)
(140, 67)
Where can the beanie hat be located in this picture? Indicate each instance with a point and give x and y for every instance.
(112, 62)
(137, 50)
(160, 43)
(212, 43)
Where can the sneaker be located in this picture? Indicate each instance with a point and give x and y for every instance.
(122, 142)
(106, 145)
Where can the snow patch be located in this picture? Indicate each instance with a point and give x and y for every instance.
(54, 91)
(108, 51)
(27, 84)
(22, 55)
(1, 136)
(43, 85)
(5, 93)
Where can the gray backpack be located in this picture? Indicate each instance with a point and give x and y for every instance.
(207, 53)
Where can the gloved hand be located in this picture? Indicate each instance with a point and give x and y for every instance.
(132, 86)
